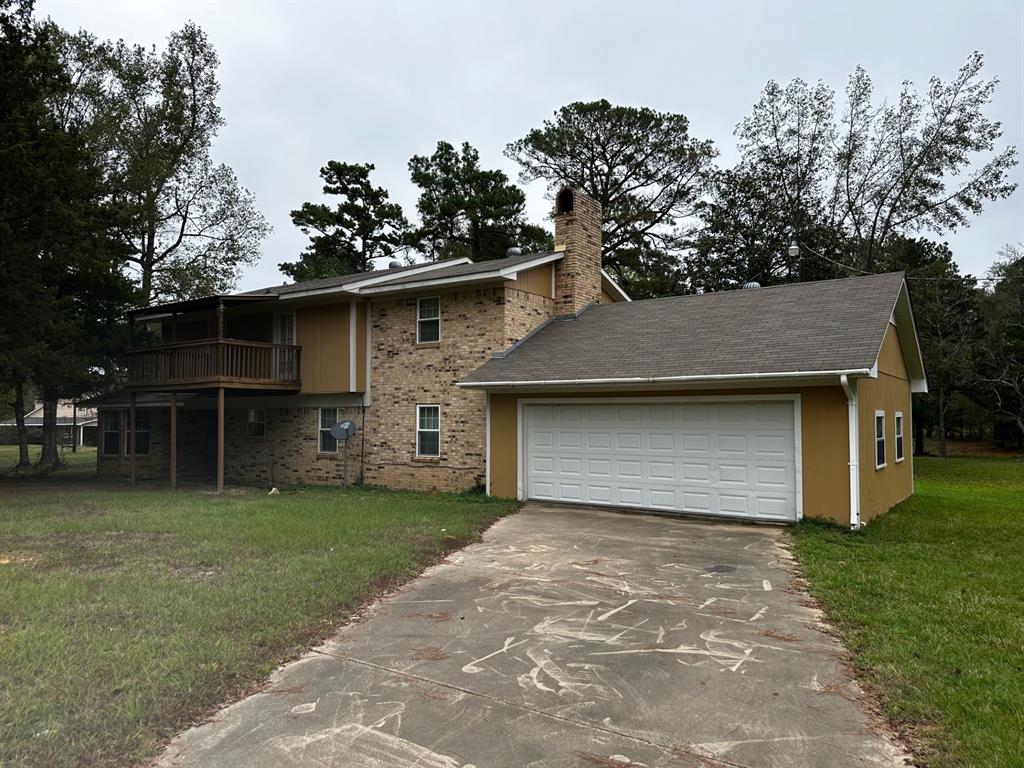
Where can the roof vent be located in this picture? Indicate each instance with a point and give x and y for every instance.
(394, 264)
(751, 284)
(515, 250)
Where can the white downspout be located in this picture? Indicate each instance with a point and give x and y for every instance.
(850, 387)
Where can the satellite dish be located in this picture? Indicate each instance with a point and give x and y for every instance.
(343, 430)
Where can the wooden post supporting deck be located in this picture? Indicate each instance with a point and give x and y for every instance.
(131, 436)
(220, 439)
(174, 441)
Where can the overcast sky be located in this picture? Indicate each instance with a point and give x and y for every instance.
(305, 82)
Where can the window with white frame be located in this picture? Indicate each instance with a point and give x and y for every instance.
(111, 433)
(879, 439)
(328, 443)
(899, 436)
(428, 320)
(257, 425)
(141, 427)
(428, 430)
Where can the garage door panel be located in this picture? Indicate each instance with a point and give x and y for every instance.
(663, 498)
(661, 442)
(733, 459)
(630, 496)
(542, 465)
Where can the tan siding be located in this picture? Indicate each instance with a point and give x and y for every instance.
(607, 298)
(890, 358)
(323, 334)
(881, 489)
(823, 434)
(536, 280)
(361, 313)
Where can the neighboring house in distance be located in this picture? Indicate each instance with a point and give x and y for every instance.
(81, 424)
(534, 376)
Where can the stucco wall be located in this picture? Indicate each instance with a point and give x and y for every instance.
(826, 486)
(881, 489)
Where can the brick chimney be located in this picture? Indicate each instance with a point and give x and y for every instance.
(578, 234)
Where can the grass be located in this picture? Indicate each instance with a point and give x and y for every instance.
(930, 601)
(82, 460)
(126, 614)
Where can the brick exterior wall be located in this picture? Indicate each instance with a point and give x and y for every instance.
(524, 312)
(405, 374)
(578, 229)
(288, 453)
(475, 323)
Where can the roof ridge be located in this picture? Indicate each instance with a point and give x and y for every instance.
(744, 291)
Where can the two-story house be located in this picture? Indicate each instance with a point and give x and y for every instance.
(534, 376)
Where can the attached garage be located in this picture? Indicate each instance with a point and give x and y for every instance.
(759, 405)
(731, 457)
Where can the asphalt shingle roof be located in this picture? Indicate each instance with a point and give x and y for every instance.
(460, 270)
(830, 325)
(456, 270)
(329, 282)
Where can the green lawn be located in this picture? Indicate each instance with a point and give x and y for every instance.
(930, 600)
(126, 614)
(83, 459)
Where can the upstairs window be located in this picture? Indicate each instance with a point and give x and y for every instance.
(257, 426)
(899, 437)
(879, 439)
(428, 430)
(428, 320)
(328, 443)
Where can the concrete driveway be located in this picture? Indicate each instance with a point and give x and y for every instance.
(568, 637)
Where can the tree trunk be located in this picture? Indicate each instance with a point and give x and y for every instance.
(19, 420)
(942, 422)
(919, 437)
(49, 459)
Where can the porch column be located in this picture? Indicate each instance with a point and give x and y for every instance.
(131, 436)
(74, 426)
(220, 439)
(174, 441)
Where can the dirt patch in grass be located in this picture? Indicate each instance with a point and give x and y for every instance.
(16, 559)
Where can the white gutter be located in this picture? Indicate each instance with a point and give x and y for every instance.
(373, 278)
(667, 379)
(850, 387)
(508, 273)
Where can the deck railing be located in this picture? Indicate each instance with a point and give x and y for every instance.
(209, 362)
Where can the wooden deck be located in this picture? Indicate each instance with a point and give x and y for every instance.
(214, 363)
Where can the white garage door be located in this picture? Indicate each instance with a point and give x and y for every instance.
(728, 458)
